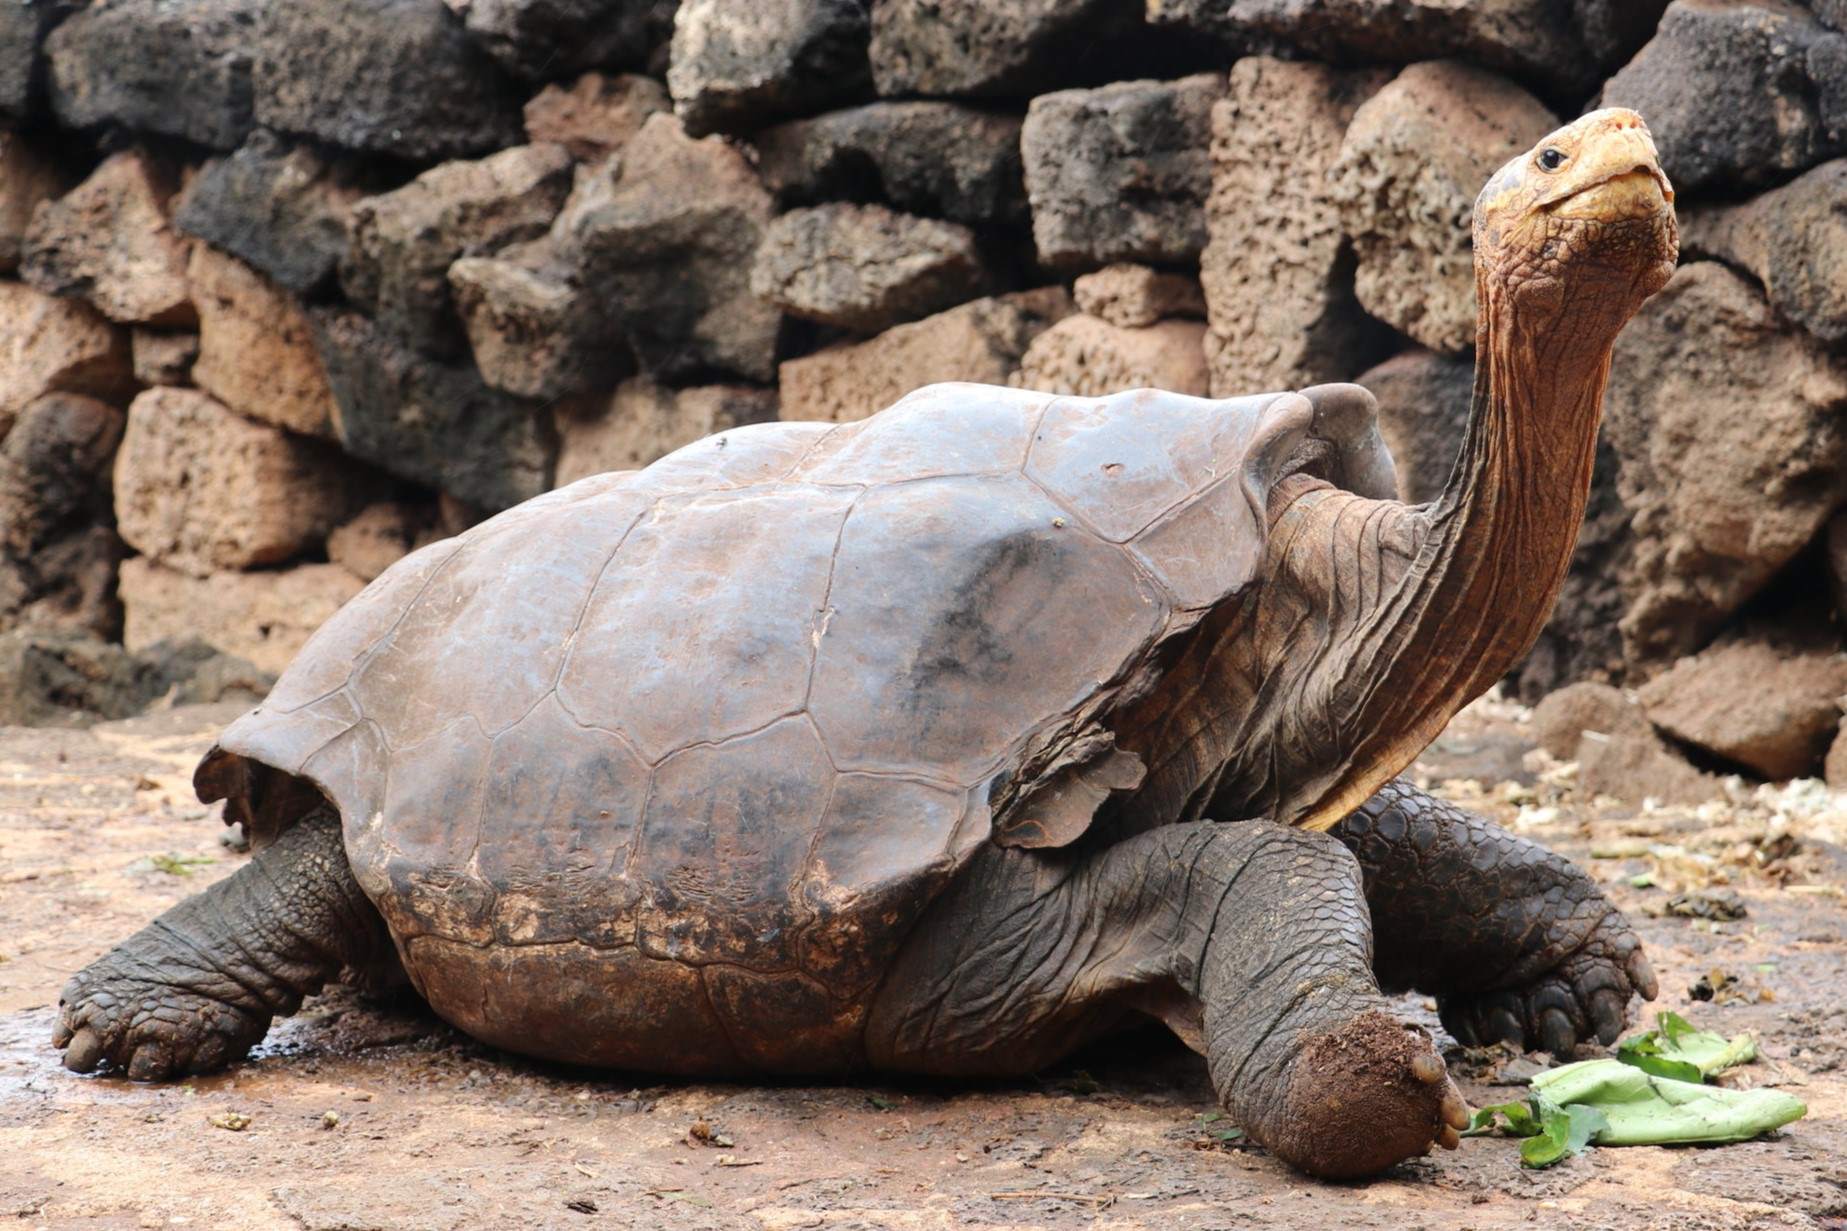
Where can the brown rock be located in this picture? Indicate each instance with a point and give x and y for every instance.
(1772, 708)
(596, 115)
(1794, 239)
(1120, 173)
(1090, 358)
(740, 64)
(202, 489)
(534, 329)
(163, 357)
(1276, 268)
(110, 240)
(49, 344)
(256, 347)
(1135, 296)
(980, 341)
(1424, 402)
(864, 267)
(1834, 766)
(57, 552)
(263, 617)
(1412, 162)
(403, 242)
(666, 234)
(1728, 429)
(380, 535)
(1638, 766)
(644, 421)
(27, 178)
(1562, 718)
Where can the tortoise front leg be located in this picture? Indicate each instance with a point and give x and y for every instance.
(195, 989)
(1252, 941)
(1514, 941)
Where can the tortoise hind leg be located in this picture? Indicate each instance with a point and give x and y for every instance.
(1514, 941)
(1251, 940)
(197, 988)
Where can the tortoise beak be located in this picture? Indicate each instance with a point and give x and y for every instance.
(1616, 174)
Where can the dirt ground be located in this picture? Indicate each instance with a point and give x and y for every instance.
(365, 1114)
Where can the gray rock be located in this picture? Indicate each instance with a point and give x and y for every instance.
(665, 236)
(73, 679)
(431, 422)
(1423, 414)
(180, 68)
(281, 209)
(57, 552)
(938, 159)
(403, 242)
(740, 64)
(548, 39)
(864, 267)
(534, 330)
(394, 77)
(1120, 173)
(1794, 239)
(980, 48)
(23, 26)
(1731, 94)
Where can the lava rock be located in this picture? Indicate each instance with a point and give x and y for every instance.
(57, 551)
(974, 48)
(1794, 240)
(1409, 169)
(1277, 269)
(643, 422)
(545, 39)
(380, 535)
(740, 64)
(534, 330)
(1562, 718)
(1088, 357)
(1121, 172)
(180, 68)
(1135, 296)
(937, 159)
(162, 357)
(396, 77)
(280, 208)
(597, 115)
(262, 617)
(431, 422)
(1637, 766)
(863, 267)
(56, 345)
(1733, 92)
(1772, 708)
(256, 350)
(110, 241)
(1424, 401)
(23, 26)
(27, 178)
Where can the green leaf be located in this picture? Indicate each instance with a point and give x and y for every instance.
(1643, 1109)
(1676, 1048)
(1564, 1131)
(1522, 1120)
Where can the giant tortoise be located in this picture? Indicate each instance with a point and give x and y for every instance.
(916, 744)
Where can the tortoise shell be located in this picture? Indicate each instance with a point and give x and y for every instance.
(746, 710)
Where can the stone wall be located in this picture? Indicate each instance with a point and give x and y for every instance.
(288, 289)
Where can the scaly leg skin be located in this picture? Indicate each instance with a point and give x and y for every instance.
(1515, 942)
(197, 988)
(1252, 941)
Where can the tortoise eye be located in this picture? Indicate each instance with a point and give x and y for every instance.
(1551, 159)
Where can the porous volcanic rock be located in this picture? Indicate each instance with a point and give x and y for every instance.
(202, 489)
(1277, 269)
(1120, 172)
(57, 550)
(980, 341)
(431, 422)
(938, 159)
(281, 208)
(1410, 166)
(396, 77)
(1794, 240)
(1423, 413)
(553, 38)
(1768, 706)
(642, 422)
(403, 242)
(1562, 718)
(109, 240)
(737, 65)
(864, 267)
(163, 357)
(27, 177)
(978, 47)
(256, 349)
(1733, 91)
(1730, 434)
(49, 344)
(666, 234)
(596, 115)
(180, 68)
(1135, 296)
(534, 330)
(263, 617)
(1088, 357)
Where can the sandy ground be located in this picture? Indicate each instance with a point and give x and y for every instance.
(365, 1114)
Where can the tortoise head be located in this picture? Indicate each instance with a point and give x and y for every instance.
(1589, 203)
